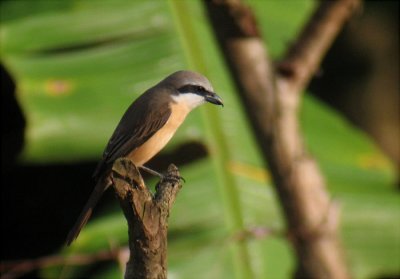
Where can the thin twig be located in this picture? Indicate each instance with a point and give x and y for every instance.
(15, 269)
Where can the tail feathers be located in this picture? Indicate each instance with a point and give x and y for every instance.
(95, 196)
(80, 223)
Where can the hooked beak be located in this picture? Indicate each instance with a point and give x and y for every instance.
(213, 98)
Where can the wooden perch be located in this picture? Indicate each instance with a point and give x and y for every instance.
(271, 98)
(147, 217)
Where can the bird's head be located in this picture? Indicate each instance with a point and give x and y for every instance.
(192, 89)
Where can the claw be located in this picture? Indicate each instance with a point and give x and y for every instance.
(172, 178)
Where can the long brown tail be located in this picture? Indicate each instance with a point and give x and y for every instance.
(101, 186)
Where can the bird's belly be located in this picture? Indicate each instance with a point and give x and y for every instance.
(153, 145)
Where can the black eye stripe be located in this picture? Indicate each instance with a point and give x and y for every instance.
(190, 88)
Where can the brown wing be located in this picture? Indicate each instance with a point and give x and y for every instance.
(152, 109)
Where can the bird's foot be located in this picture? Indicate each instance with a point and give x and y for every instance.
(163, 177)
(152, 172)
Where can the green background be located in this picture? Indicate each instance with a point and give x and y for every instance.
(79, 64)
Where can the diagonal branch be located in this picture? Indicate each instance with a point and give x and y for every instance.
(271, 105)
(303, 58)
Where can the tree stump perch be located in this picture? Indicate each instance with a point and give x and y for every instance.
(147, 217)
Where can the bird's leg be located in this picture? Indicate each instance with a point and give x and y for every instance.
(152, 172)
(161, 176)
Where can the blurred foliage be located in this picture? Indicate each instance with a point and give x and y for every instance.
(78, 65)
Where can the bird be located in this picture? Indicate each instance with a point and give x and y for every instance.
(146, 127)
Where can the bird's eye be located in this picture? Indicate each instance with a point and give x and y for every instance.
(200, 88)
(191, 88)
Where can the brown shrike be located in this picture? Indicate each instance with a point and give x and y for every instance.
(146, 127)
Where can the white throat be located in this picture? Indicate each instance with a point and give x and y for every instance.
(190, 100)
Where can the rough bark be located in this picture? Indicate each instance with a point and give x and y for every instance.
(147, 217)
(271, 98)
